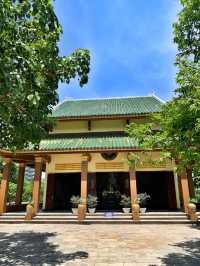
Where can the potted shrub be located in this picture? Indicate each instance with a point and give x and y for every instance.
(92, 203)
(75, 200)
(125, 203)
(142, 199)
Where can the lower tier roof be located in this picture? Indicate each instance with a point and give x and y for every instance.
(88, 141)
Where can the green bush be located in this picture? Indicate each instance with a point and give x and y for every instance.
(125, 201)
(75, 200)
(196, 199)
(12, 192)
(91, 201)
(142, 199)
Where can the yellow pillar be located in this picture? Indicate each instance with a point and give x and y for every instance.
(133, 184)
(37, 183)
(5, 184)
(185, 190)
(20, 184)
(84, 187)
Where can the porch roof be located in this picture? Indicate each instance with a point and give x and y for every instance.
(129, 106)
(88, 141)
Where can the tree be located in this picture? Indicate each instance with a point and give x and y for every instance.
(12, 192)
(176, 130)
(30, 69)
(187, 30)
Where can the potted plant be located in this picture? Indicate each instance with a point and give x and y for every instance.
(142, 199)
(75, 200)
(125, 203)
(92, 203)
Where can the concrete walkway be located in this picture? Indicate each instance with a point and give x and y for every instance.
(100, 245)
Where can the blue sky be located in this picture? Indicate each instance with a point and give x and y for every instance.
(131, 44)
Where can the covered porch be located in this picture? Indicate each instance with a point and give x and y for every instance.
(93, 159)
(109, 186)
(131, 182)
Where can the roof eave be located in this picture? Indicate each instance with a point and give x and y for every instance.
(91, 150)
(100, 117)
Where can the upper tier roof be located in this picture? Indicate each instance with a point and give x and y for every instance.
(108, 107)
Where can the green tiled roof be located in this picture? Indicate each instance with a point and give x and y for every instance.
(88, 141)
(108, 107)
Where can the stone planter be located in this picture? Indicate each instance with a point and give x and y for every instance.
(136, 211)
(81, 212)
(30, 212)
(92, 210)
(191, 208)
(126, 210)
(143, 210)
(75, 211)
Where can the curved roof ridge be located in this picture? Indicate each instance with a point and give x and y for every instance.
(109, 98)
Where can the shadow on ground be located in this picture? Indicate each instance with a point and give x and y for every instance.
(29, 248)
(189, 254)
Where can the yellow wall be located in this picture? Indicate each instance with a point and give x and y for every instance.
(150, 161)
(70, 127)
(96, 126)
(67, 163)
(82, 126)
(138, 121)
(108, 125)
(61, 159)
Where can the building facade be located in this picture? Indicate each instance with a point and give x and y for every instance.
(88, 152)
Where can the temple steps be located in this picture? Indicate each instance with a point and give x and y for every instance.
(97, 218)
(146, 218)
(41, 218)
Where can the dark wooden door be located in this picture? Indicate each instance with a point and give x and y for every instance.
(50, 192)
(171, 191)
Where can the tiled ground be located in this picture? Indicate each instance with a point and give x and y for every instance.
(117, 245)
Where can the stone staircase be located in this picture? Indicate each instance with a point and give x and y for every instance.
(146, 218)
(40, 218)
(164, 218)
(97, 218)
(109, 218)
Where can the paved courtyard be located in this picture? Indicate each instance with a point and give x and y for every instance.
(100, 245)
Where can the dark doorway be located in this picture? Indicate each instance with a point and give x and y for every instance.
(109, 187)
(60, 188)
(160, 186)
